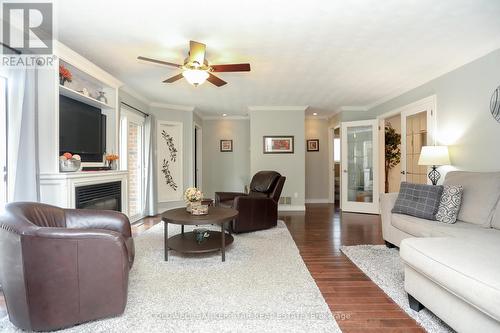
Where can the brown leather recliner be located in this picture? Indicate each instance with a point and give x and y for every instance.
(258, 209)
(61, 267)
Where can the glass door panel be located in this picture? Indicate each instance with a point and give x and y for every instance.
(132, 151)
(134, 163)
(360, 166)
(414, 138)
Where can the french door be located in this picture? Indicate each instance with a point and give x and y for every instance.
(359, 180)
(133, 160)
(416, 132)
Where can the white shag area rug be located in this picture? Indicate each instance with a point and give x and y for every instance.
(384, 267)
(264, 286)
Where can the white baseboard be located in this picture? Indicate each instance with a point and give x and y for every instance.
(162, 207)
(281, 208)
(291, 208)
(317, 201)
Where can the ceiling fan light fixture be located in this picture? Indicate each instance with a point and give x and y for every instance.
(195, 76)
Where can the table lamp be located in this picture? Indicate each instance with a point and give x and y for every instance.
(434, 156)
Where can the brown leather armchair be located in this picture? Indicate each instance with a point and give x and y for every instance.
(258, 209)
(61, 267)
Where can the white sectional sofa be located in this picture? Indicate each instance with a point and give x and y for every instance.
(453, 269)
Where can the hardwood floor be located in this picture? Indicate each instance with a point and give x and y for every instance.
(357, 303)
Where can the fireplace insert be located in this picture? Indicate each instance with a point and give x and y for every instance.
(106, 196)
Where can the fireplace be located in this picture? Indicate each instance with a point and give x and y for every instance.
(106, 196)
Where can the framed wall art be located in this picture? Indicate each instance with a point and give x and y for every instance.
(226, 146)
(313, 145)
(169, 162)
(495, 104)
(274, 144)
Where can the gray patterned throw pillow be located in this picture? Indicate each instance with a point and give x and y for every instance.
(450, 204)
(418, 200)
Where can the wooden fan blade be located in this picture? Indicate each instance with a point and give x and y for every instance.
(197, 52)
(161, 62)
(231, 68)
(173, 78)
(215, 80)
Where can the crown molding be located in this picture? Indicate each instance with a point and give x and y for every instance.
(278, 108)
(186, 108)
(229, 117)
(133, 93)
(323, 117)
(64, 52)
(198, 113)
(356, 108)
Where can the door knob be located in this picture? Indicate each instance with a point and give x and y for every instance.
(345, 171)
(403, 172)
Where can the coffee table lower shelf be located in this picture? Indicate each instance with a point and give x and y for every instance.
(186, 243)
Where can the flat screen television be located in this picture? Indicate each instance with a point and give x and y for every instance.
(82, 130)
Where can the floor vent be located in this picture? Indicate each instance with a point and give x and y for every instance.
(285, 200)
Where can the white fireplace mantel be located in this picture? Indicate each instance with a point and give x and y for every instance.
(58, 189)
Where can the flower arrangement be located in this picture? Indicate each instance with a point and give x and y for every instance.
(112, 157)
(192, 194)
(64, 75)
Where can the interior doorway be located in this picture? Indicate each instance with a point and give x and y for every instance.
(334, 165)
(415, 123)
(392, 179)
(360, 166)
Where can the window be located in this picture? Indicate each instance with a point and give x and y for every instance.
(3, 142)
(133, 160)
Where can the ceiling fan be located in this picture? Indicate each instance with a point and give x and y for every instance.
(196, 68)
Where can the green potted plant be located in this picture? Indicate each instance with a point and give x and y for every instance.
(392, 151)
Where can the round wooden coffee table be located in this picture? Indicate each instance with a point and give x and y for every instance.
(185, 242)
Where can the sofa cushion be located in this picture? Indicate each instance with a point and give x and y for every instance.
(467, 269)
(418, 200)
(425, 228)
(414, 226)
(450, 203)
(481, 193)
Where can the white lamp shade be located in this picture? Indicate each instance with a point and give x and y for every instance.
(195, 76)
(434, 155)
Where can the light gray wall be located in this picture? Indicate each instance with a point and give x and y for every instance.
(272, 122)
(131, 100)
(317, 177)
(464, 121)
(186, 118)
(225, 171)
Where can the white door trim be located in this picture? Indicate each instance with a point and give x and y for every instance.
(331, 165)
(360, 207)
(199, 140)
(424, 104)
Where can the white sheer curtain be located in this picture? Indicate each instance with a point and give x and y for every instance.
(150, 197)
(22, 133)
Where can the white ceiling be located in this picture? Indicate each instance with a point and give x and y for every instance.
(325, 54)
